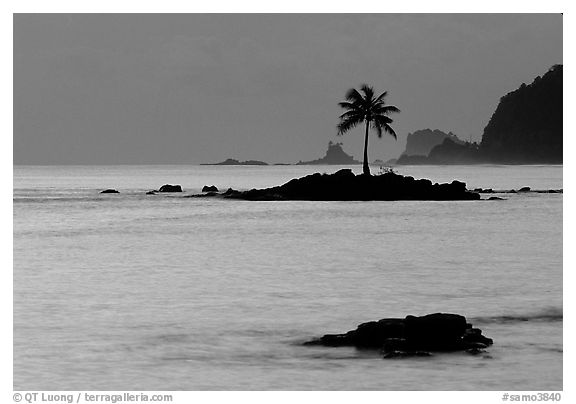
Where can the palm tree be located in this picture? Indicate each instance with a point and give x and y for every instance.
(364, 107)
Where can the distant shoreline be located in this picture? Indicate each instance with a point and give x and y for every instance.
(289, 164)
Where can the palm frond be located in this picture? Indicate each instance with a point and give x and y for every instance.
(382, 119)
(348, 105)
(382, 109)
(354, 96)
(348, 123)
(378, 128)
(352, 114)
(390, 131)
(381, 96)
(382, 124)
(368, 92)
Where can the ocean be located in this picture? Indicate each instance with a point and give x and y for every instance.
(161, 292)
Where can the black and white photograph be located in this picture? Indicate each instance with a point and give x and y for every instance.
(287, 202)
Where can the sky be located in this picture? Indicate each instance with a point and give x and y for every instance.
(201, 88)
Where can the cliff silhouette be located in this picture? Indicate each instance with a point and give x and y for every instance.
(526, 128)
(527, 124)
(335, 155)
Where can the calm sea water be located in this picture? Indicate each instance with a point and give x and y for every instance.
(136, 292)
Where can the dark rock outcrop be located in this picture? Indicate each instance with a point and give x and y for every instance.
(109, 191)
(209, 188)
(151, 192)
(526, 127)
(170, 188)
(334, 155)
(343, 185)
(411, 336)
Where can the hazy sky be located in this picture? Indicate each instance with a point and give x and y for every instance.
(193, 88)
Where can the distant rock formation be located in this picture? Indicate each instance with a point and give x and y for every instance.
(527, 124)
(421, 142)
(335, 155)
(233, 162)
(343, 185)
(526, 128)
(449, 152)
(428, 146)
(109, 191)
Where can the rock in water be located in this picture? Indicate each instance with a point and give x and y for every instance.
(109, 191)
(170, 188)
(411, 336)
(435, 332)
(211, 188)
(343, 185)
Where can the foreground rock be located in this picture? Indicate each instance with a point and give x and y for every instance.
(170, 188)
(411, 336)
(109, 191)
(345, 186)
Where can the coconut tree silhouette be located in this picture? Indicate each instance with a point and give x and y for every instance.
(362, 107)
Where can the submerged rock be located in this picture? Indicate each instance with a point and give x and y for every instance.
(170, 188)
(109, 191)
(496, 198)
(151, 192)
(411, 336)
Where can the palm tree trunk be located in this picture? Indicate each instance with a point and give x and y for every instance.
(365, 166)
